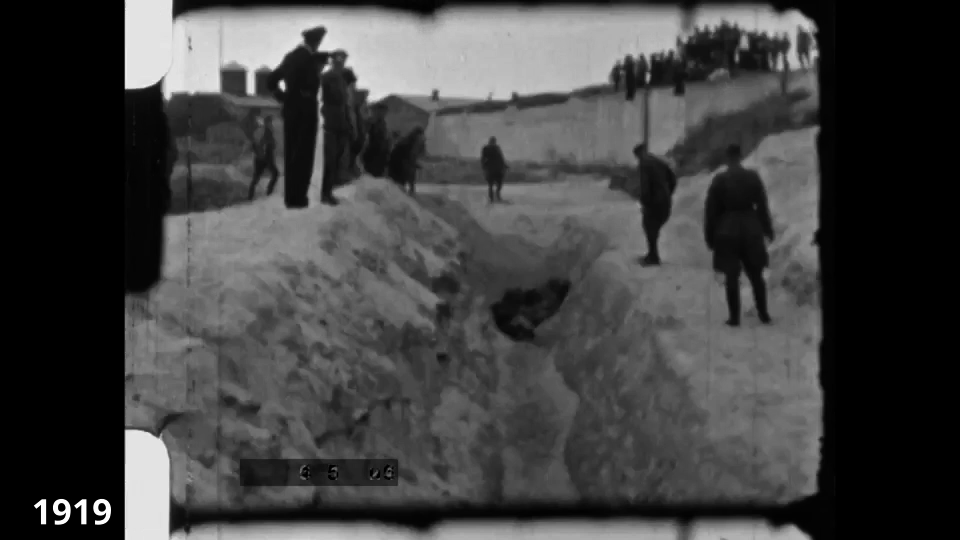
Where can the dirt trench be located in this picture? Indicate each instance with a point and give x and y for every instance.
(584, 402)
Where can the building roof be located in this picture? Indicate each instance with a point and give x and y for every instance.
(252, 101)
(233, 66)
(263, 69)
(426, 103)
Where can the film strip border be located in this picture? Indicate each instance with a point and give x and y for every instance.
(374, 472)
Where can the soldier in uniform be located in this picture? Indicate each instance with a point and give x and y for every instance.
(630, 77)
(351, 167)
(264, 147)
(377, 151)
(736, 221)
(301, 79)
(656, 187)
(404, 159)
(338, 127)
(494, 168)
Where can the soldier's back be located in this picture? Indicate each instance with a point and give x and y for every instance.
(740, 198)
(301, 76)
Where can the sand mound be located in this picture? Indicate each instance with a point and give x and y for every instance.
(275, 331)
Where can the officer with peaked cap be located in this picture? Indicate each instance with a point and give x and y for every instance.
(301, 78)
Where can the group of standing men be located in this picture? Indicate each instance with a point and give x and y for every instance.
(737, 223)
(730, 47)
(351, 129)
(725, 46)
(664, 68)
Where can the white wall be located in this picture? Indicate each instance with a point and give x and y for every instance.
(601, 129)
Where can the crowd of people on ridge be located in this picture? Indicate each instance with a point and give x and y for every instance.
(725, 46)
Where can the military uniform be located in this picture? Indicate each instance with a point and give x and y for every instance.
(300, 73)
(736, 220)
(377, 151)
(656, 187)
(494, 168)
(403, 163)
(337, 129)
(264, 160)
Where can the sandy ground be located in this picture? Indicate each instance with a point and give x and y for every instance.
(273, 327)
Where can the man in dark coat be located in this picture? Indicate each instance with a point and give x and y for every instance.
(264, 147)
(615, 75)
(657, 184)
(360, 113)
(736, 221)
(803, 47)
(494, 167)
(338, 128)
(630, 77)
(301, 79)
(377, 151)
(404, 159)
(642, 69)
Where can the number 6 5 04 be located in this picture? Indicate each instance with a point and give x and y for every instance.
(61, 508)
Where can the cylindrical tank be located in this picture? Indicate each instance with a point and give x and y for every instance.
(233, 79)
(260, 81)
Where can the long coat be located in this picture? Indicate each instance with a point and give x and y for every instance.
(736, 220)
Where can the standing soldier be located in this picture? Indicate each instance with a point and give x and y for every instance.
(377, 151)
(264, 147)
(404, 159)
(630, 77)
(615, 75)
(494, 168)
(337, 125)
(656, 187)
(803, 47)
(359, 115)
(736, 221)
(301, 79)
(642, 69)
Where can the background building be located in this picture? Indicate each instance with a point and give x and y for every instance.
(404, 112)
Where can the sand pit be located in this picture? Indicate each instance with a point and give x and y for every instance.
(274, 331)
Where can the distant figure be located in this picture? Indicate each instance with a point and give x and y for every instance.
(338, 129)
(680, 77)
(300, 121)
(657, 184)
(736, 221)
(264, 147)
(785, 47)
(357, 127)
(377, 151)
(405, 159)
(615, 75)
(803, 47)
(630, 74)
(785, 76)
(642, 69)
(494, 168)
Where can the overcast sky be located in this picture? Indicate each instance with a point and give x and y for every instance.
(463, 53)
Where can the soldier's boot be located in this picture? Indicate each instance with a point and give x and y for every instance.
(652, 258)
(759, 287)
(732, 289)
(329, 199)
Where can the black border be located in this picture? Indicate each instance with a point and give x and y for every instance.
(87, 410)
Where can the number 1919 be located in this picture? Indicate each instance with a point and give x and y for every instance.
(61, 508)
